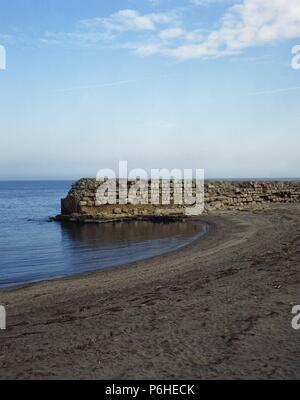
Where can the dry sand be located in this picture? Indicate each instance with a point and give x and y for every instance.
(219, 308)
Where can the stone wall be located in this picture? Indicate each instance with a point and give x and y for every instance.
(81, 202)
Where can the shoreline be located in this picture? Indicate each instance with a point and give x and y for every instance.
(90, 219)
(219, 307)
(206, 227)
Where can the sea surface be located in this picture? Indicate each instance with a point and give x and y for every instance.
(33, 249)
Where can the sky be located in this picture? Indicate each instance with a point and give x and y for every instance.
(211, 84)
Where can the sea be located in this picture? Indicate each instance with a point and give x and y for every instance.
(34, 248)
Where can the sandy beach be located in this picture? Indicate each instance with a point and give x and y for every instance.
(218, 308)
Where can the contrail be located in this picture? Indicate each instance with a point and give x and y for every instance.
(116, 83)
(272, 91)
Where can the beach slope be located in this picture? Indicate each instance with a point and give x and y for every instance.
(218, 308)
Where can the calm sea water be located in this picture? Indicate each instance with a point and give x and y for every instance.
(34, 249)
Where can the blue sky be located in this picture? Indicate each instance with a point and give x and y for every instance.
(160, 83)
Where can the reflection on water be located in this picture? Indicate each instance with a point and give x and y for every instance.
(32, 249)
(113, 234)
(88, 247)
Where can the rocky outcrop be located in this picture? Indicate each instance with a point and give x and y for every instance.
(82, 204)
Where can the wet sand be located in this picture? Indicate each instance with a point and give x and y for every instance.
(218, 308)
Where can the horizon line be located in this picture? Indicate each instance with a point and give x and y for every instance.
(206, 179)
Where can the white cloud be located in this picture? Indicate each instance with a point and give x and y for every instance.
(208, 2)
(145, 50)
(6, 38)
(172, 33)
(84, 39)
(251, 23)
(129, 20)
(255, 22)
(179, 33)
(107, 29)
(246, 24)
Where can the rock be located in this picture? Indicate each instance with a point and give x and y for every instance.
(230, 195)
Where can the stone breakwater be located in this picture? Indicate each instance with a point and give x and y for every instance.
(81, 202)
